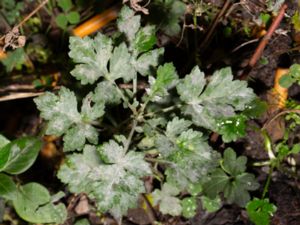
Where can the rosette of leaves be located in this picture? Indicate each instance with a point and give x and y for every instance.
(31, 201)
(231, 179)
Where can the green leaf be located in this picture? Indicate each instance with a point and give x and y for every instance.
(189, 207)
(120, 64)
(73, 17)
(168, 203)
(109, 175)
(216, 184)
(169, 17)
(286, 81)
(33, 204)
(148, 61)
(128, 23)
(256, 108)
(232, 128)
(8, 188)
(66, 5)
(220, 98)
(145, 39)
(61, 21)
(64, 118)
(295, 149)
(3, 141)
(260, 211)
(166, 78)
(211, 205)
(17, 156)
(14, 59)
(232, 180)
(232, 164)
(93, 56)
(83, 221)
(294, 71)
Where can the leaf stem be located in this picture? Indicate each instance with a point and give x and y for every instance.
(266, 187)
(126, 147)
(133, 109)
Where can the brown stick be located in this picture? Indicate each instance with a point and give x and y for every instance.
(260, 48)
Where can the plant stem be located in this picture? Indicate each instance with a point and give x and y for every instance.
(126, 147)
(266, 187)
(157, 160)
(133, 109)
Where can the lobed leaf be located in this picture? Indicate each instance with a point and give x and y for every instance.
(108, 174)
(221, 98)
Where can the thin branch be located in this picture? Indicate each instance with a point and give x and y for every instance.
(28, 16)
(260, 48)
(278, 115)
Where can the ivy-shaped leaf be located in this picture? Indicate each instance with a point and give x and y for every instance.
(64, 118)
(220, 98)
(107, 174)
(232, 180)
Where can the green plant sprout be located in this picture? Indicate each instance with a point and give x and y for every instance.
(68, 16)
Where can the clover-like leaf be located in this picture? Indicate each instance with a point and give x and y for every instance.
(232, 180)
(167, 200)
(221, 98)
(33, 204)
(110, 175)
